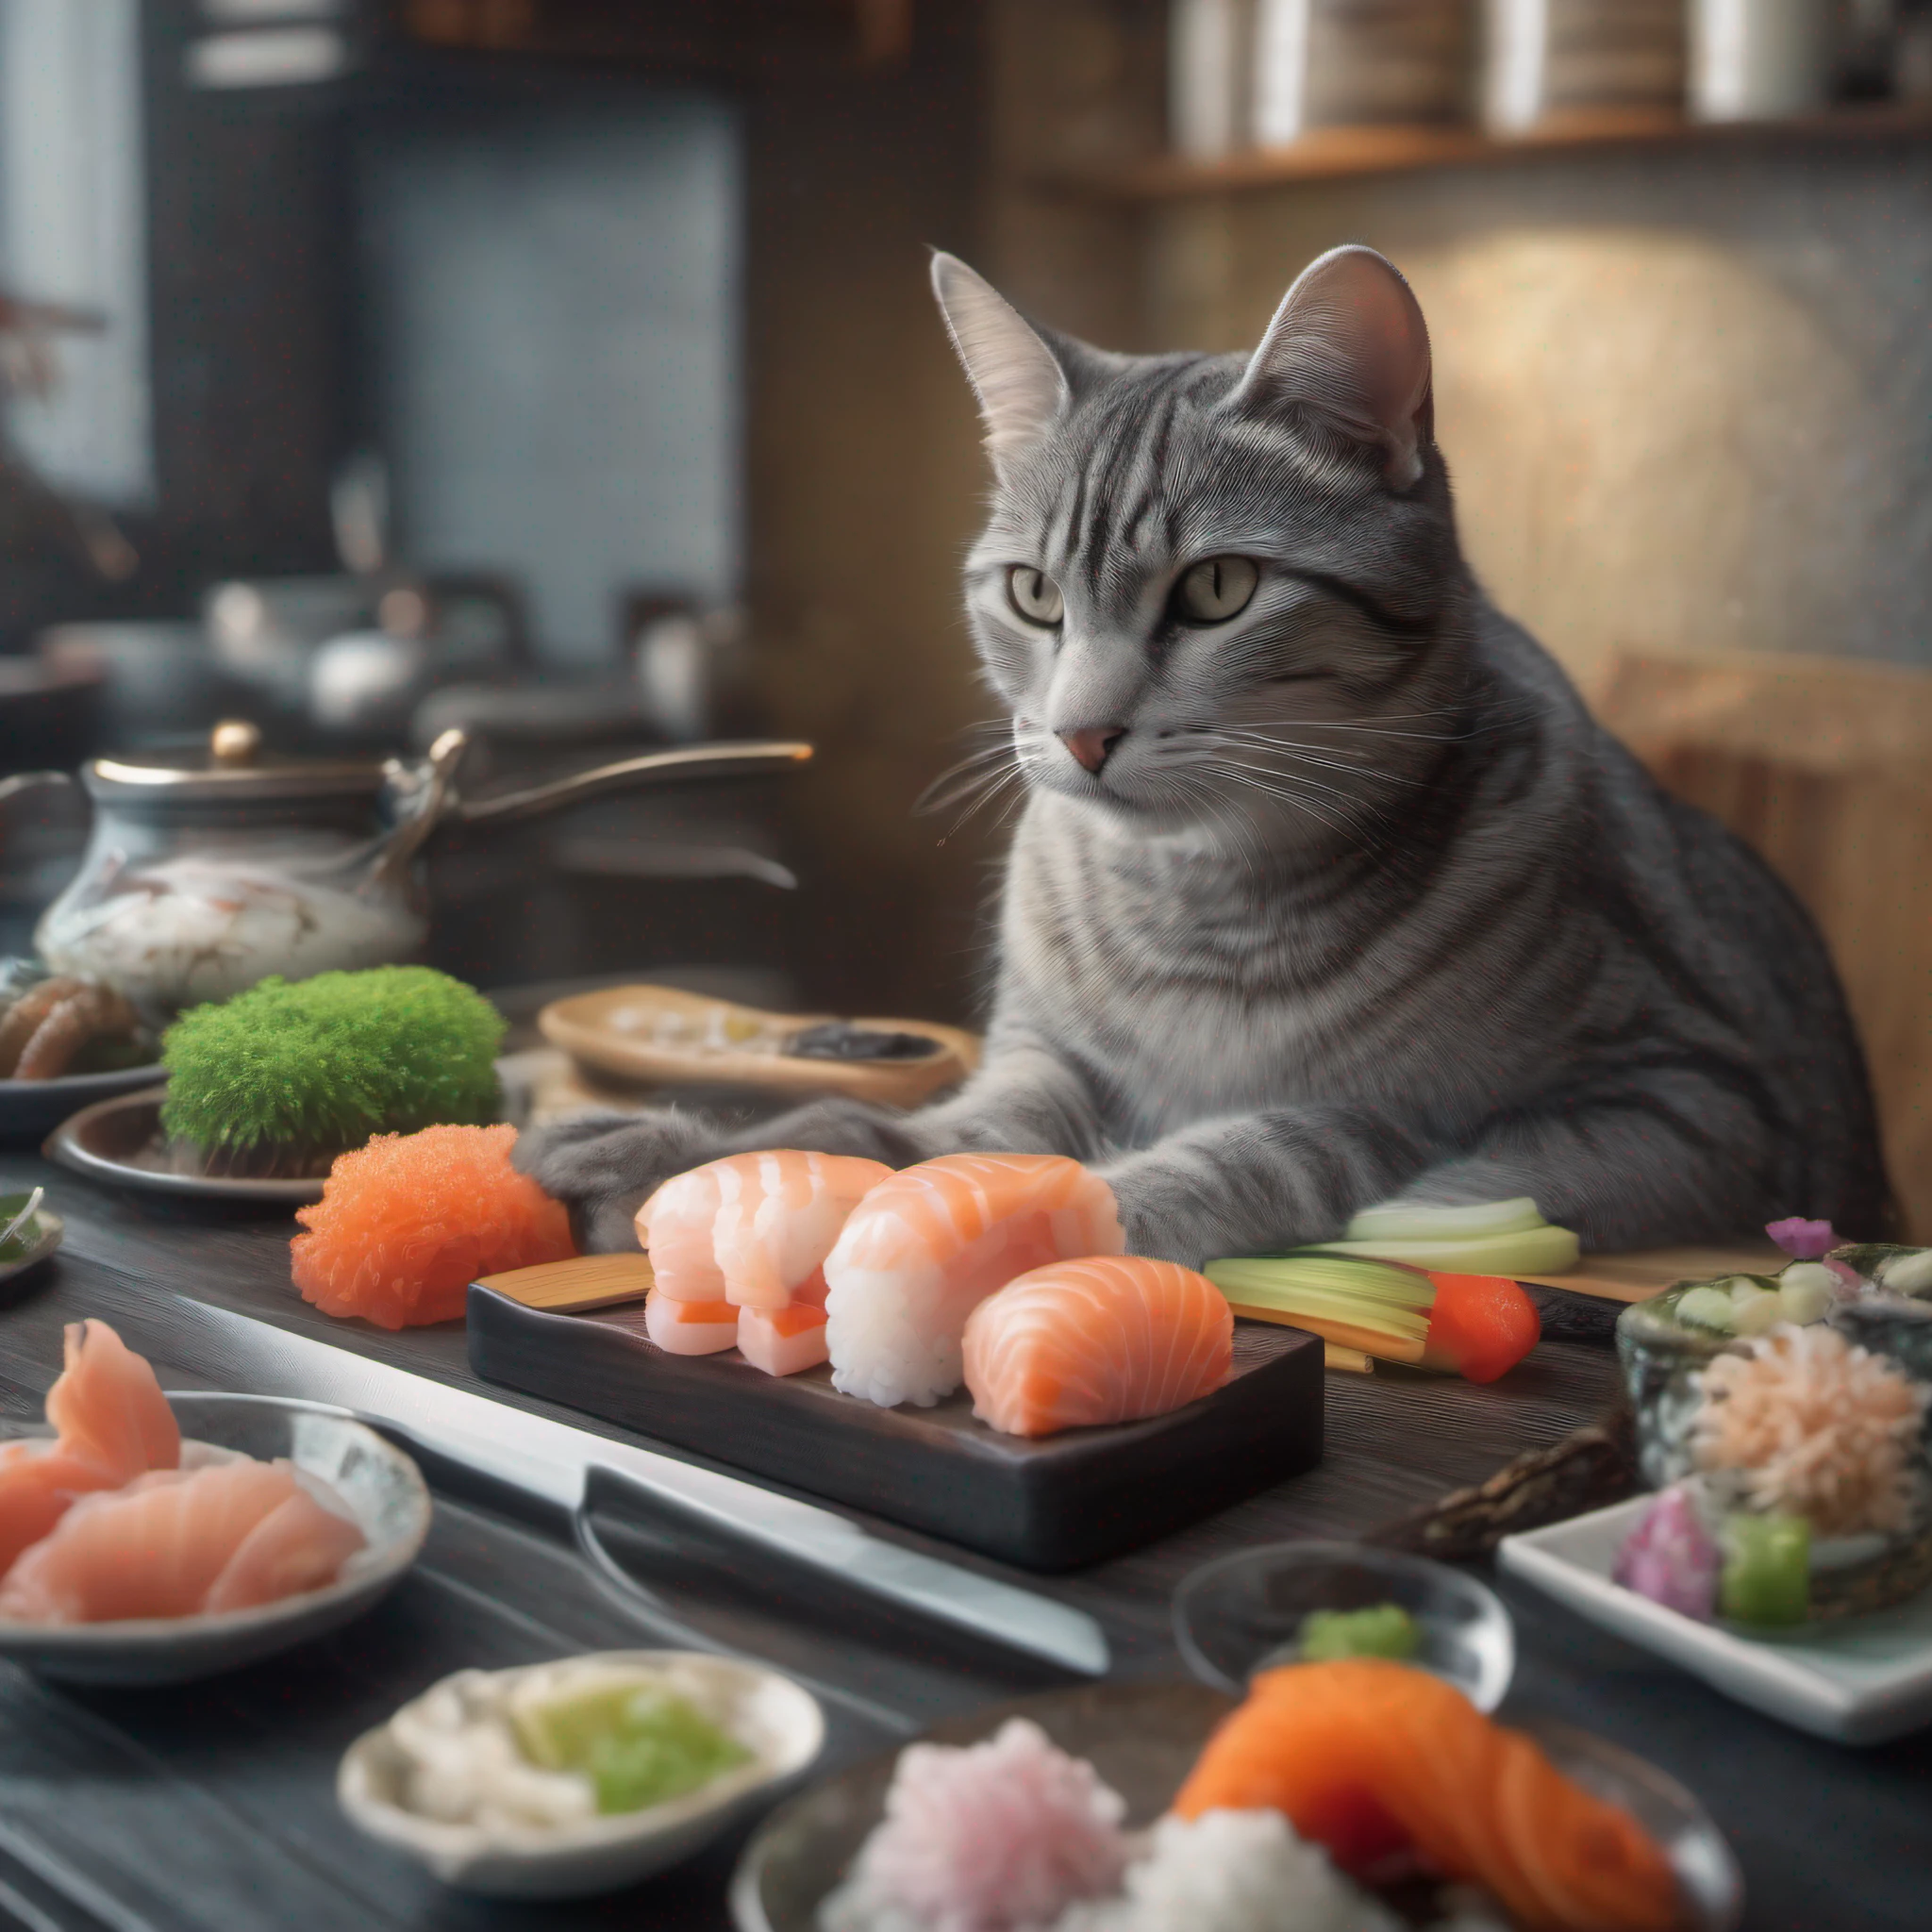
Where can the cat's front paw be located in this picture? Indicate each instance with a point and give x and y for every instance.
(603, 1166)
(1167, 1214)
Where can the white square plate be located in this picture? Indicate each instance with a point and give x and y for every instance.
(1858, 1682)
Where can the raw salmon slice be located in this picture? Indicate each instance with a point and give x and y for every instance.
(1366, 1756)
(1107, 1340)
(113, 1423)
(299, 1545)
(108, 1408)
(752, 1228)
(930, 1242)
(172, 1541)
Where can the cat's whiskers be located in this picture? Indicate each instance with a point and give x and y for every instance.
(1273, 785)
(977, 780)
(1306, 723)
(1298, 753)
(1193, 785)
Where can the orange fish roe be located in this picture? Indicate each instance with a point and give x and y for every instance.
(405, 1223)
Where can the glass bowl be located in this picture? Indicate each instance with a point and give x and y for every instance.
(1244, 1613)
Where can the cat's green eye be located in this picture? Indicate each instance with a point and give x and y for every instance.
(1215, 589)
(1034, 595)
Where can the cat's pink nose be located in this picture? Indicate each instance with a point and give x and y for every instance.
(1091, 746)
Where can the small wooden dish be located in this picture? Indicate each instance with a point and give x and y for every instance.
(612, 1031)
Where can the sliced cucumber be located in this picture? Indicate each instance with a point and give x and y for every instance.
(1417, 1221)
(1384, 1318)
(1532, 1251)
(1356, 1278)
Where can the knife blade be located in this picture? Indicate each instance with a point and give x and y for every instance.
(553, 1461)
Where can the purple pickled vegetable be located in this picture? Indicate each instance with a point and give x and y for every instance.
(1671, 1558)
(1802, 1240)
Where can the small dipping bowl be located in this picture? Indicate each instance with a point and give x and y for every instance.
(780, 1723)
(374, 1481)
(1244, 1613)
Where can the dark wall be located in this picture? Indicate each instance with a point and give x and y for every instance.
(244, 264)
(863, 480)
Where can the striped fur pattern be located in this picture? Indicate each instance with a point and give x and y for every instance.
(1357, 901)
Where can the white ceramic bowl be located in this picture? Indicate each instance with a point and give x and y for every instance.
(780, 1723)
(384, 1494)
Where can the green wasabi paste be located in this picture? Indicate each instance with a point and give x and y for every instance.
(1384, 1630)
(638, 1743)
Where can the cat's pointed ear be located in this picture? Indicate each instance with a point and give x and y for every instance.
(1349, 344)
(1019, 383)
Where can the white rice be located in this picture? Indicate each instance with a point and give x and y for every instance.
(1232, 1872)
(893, 1333)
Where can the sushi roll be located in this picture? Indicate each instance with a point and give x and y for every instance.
(930, 1242)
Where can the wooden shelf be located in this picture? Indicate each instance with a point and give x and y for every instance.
(1338, 154)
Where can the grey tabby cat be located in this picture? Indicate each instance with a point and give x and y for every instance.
(1328, 889)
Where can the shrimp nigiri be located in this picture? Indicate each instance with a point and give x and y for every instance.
(1109, 1340)
(752, 1228)
(930, 1242)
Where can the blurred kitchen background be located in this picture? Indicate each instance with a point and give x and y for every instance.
(565, 369)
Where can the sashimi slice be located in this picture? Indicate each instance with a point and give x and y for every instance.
(154, 1549)
(782, 1341)
(113, 1425)
(689, 1328)
(39, 1481)
(1107, 1339)
(108, 1408)
(299, 1545)
(930, 1242)
(1352, 1750)
(752, 1228)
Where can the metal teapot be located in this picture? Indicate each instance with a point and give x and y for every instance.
(202, 877)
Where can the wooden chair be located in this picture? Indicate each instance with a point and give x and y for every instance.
(1824, 765)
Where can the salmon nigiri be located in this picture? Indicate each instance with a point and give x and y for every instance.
(932, 1242)
(1368, 1758)
(1107, 1340)
(113, 1423)
(179, 1541)
(753, 1228)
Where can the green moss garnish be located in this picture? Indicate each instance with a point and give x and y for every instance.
(285, 1077)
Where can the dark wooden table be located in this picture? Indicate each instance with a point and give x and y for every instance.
(210, 1807)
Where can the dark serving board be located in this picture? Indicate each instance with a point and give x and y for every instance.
(1048, 1505)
